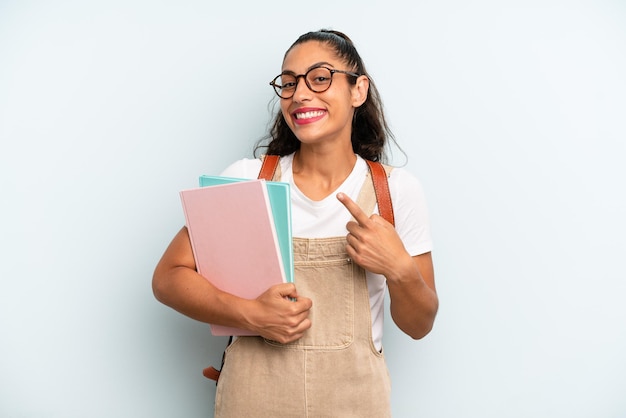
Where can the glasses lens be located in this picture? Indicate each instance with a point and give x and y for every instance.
(319, 79)
(285, 85)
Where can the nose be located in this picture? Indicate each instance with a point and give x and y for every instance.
(302, 91)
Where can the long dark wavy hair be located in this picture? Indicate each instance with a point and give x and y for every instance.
(370, 131)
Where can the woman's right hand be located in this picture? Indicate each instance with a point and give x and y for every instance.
(280, 314)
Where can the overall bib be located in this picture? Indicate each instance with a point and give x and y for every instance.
(334, 370)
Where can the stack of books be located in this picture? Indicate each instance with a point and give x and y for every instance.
(240, 233)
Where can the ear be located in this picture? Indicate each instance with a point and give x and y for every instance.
(359, 91)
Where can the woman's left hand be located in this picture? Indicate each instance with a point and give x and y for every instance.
(373, 243)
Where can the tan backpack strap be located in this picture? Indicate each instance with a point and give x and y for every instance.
(211, 373)
(268, 168)
(381, 188)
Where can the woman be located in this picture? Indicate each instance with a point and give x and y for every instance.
(320, 347)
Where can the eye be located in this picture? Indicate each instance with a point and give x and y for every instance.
(321, 79)
(288, 82)
(319, 76)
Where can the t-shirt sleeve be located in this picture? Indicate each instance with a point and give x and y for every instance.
(410, 212)
(245, 168)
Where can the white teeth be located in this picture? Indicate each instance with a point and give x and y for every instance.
(307, 115)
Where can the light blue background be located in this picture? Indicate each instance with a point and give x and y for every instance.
(512, 113)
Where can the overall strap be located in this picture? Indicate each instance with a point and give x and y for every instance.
(379, 178)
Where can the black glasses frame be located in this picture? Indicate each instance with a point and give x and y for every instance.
(278, 87)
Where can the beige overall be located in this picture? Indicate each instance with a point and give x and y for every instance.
(334, 370)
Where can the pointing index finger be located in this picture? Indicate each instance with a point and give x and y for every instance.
(353, 208)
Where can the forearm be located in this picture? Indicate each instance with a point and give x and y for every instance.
(185, 291)
(177, 284)
(414, 301)
(273, 315)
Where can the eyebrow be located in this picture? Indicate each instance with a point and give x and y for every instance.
(317, 64)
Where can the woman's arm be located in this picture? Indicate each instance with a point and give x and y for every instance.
(272, 315)
(414, 301)
(374, 244)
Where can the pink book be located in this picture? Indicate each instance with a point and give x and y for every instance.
(234, 240)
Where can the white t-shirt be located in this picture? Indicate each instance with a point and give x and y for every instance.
(328, 217)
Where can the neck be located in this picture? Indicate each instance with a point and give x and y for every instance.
(318, 174)
(326, 163)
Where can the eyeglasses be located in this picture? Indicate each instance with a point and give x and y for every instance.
(317, 79)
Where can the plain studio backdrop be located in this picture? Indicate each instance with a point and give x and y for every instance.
(512, 114)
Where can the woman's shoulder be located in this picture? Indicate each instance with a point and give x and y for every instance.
(247, 168)
(406, 190)
(403, 179)
(410, 210)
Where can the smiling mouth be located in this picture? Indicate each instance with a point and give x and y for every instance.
(308, 115)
